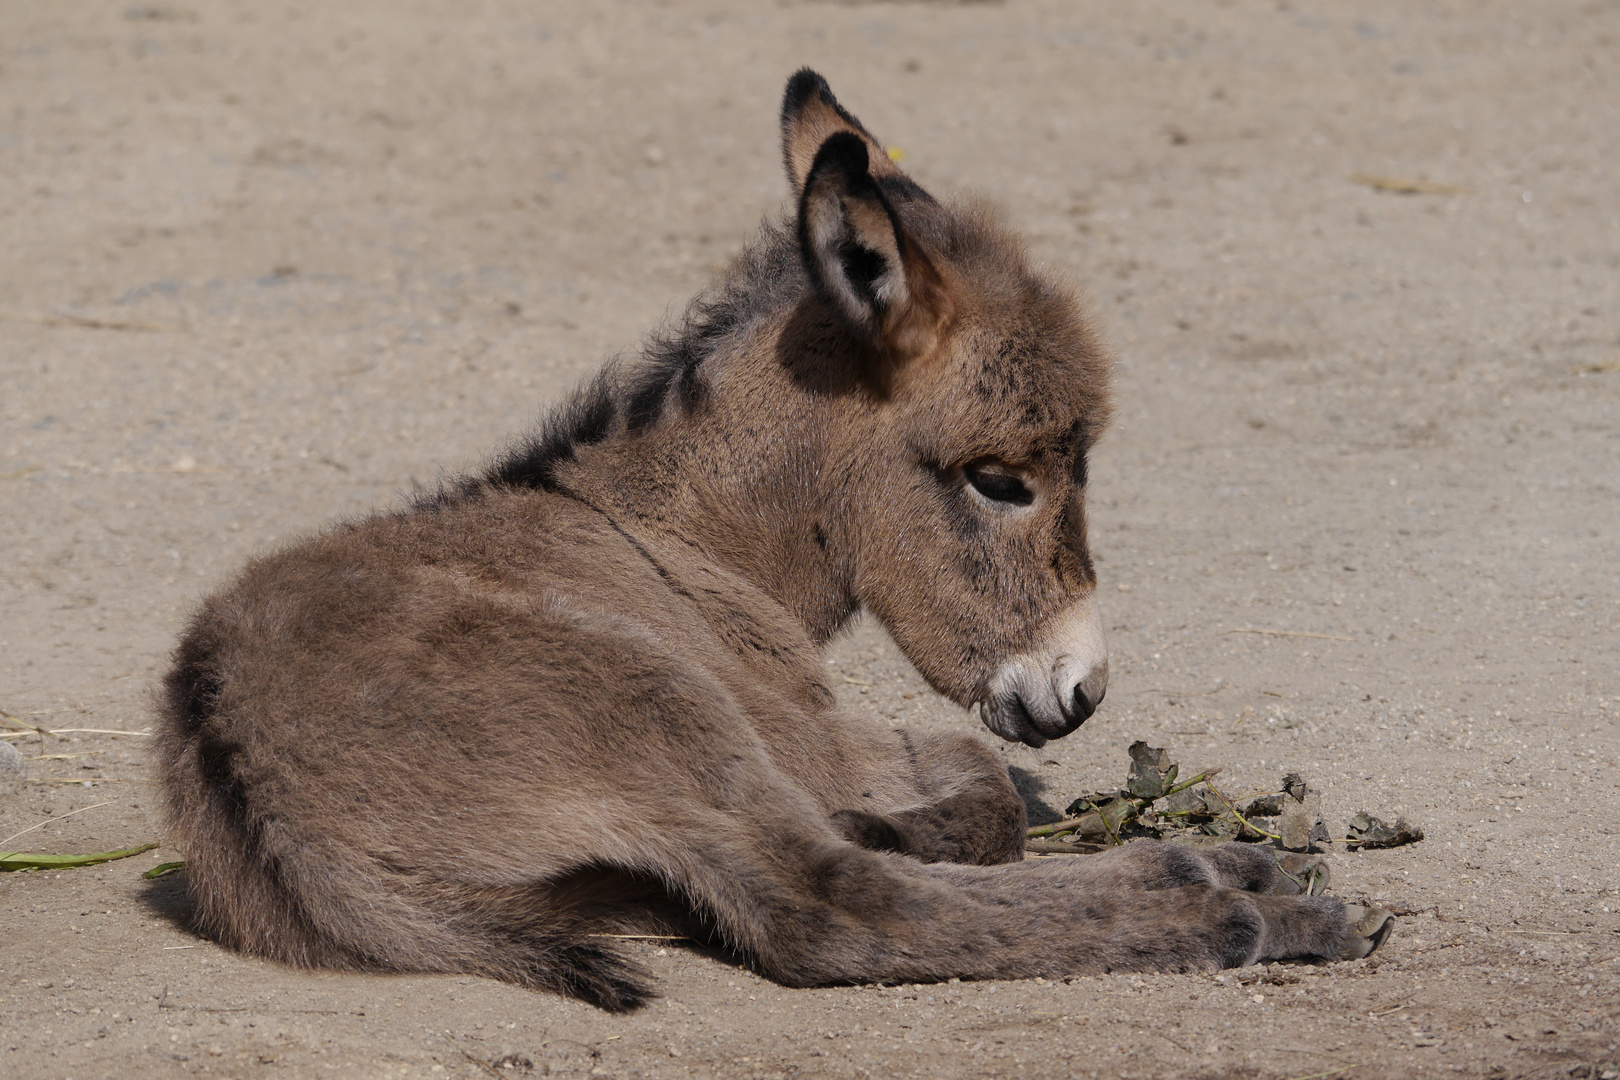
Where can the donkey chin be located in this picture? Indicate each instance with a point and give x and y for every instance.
(1055, 686)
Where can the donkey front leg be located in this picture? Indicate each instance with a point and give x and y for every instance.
(1281, 886)
(969, 811)
(813, 911)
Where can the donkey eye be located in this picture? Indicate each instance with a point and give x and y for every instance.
(999, 486)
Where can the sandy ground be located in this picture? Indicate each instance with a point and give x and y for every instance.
(266, 264)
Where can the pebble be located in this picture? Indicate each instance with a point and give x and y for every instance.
(13, 770)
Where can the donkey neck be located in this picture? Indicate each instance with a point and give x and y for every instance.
(756, 496)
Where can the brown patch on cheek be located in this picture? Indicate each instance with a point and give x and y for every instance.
(1071, 559)
(1077, 447)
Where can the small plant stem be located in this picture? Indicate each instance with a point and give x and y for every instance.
(25, 725)
(1241, 819)
(1201, 778)
(1067, 825)
(1061, 847)
(1113, 832)
(1070, 824)
(54, 820)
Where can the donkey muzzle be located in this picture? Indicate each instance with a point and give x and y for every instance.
(1053, 688)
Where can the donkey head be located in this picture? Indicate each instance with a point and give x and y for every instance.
(973, 393)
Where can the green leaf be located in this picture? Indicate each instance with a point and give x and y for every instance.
(18, 860)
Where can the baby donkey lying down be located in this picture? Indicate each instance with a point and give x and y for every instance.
(582, 693)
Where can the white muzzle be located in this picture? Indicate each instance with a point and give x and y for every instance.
(1053, 688)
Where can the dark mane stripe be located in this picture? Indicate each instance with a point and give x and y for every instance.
(586, 419)
(637, 392)
(671, 359)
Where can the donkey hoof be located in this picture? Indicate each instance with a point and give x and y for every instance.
(1303, 875)
(1366, 929)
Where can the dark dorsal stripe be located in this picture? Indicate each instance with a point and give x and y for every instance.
(586, 419)
(638, 391)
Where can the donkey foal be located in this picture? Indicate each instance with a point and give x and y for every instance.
(581, 694)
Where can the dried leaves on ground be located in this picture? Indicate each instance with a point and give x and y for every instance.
(1154, 803)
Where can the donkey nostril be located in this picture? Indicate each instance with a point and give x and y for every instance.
(1087, 696)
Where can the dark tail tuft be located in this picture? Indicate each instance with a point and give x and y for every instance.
(563, 964)
(603, 978)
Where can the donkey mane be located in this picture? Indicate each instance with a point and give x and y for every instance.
(628, 394)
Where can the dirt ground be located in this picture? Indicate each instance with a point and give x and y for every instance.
(266, 264)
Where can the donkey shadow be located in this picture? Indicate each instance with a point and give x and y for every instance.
(1030, 788)
(168, 899)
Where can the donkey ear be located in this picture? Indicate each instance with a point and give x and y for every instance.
(860, 258)
(810, 114)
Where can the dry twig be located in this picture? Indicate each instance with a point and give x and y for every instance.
(477, 1062)
(1403, 1003)
(1286, 633)
(1233, 810)
(1330, 1072)
(83, 780)
(29, 729)
(87, 322)
(54, 820)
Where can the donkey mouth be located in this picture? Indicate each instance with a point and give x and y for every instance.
(1034, 721)
(1053, 688)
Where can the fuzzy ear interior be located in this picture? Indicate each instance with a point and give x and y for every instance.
(860, 258)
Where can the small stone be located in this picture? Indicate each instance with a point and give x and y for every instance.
(13, 770)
